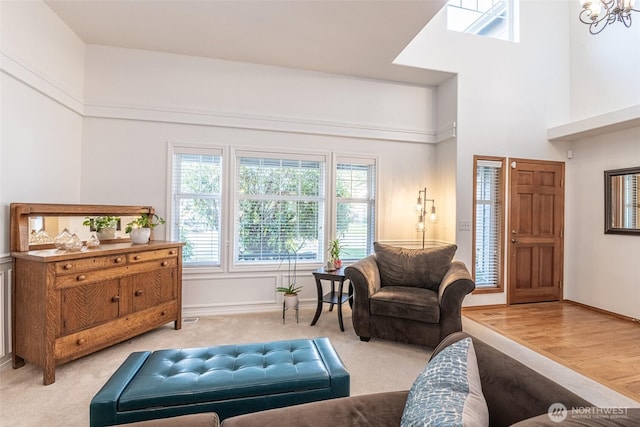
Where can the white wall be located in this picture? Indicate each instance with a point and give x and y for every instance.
(41, 83)
(604, 69)
(602, 269)
(507, 96)
(151, 85)
(446, 167)
(41, 79)
(138, 101)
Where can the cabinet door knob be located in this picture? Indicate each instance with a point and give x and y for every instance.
(164, 313)
(138, 292)
(118, 260)
(164, 263)
(68, 266)
(81, 277)
(115, 298)
(81, 341)
(172, 252)
(137, 257)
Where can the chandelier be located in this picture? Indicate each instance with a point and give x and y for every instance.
(600, 13)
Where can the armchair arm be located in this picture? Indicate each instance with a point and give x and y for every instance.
(456, 284)
(365, 278)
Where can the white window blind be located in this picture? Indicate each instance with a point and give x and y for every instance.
(355, 206)
(197, 204)
(279, 207)
(488, 223)
(631, 203)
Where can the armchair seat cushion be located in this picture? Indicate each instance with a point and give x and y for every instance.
(406, 302)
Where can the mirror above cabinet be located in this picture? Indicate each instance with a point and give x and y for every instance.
(35, 226)
(621, 202)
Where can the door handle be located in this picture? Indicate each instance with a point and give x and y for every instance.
(514, 241)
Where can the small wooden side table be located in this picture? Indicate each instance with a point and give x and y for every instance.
(333, 297)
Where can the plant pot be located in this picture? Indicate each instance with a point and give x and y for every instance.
(330, 266)
(140, 235)
(290, 301)
(107, 233)
(337, 264)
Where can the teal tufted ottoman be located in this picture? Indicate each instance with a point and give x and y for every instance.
(229, 380)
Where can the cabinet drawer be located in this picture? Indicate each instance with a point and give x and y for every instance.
(82, 278)
(88, 264)
(151, 255)
(87, 341)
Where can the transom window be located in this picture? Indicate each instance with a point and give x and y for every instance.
(489, 18)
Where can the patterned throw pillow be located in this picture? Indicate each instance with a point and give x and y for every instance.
(448, 391)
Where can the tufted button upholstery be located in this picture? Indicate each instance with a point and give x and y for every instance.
(228, 380)
(174, 377)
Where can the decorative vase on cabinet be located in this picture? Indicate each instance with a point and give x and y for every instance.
(140, 235)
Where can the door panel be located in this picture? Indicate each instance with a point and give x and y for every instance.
(88, 305)
(536, 223)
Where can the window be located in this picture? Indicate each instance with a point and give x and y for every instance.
(488, 222)
(355, 206)
(196, 207)
(279, 207)
(489, 18)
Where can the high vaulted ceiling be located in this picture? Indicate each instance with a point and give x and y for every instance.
(350, 37)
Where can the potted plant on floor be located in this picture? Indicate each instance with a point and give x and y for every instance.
(291, 291)
(105, 226)
(140, 228)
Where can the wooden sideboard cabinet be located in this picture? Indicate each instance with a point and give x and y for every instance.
(67, 304)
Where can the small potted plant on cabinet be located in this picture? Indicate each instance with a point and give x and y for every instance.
(105, 226)
(140, 228)
(335, 249)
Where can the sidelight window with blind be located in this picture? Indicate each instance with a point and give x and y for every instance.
(488, 230)
(355, 206)
(197, 203)
(279, 207)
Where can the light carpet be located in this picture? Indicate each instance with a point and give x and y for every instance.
(374, 366)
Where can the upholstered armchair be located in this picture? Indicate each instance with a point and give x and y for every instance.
(409, 295)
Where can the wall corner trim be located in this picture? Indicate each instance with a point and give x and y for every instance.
(14, 67)
(182, 115)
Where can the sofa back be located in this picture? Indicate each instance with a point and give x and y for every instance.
(513, 391)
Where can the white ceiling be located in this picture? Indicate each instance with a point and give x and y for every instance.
(351, 37)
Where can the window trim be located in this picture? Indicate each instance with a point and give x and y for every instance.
(209, 149)
(512, 22)
(322, 157)
(501, 228)
(355, 159)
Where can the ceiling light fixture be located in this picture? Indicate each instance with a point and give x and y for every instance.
(600, 13)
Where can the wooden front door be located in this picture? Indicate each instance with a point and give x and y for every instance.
(536, 228)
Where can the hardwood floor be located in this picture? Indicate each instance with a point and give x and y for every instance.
(600, 346)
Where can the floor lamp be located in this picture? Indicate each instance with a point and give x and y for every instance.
(421, 209)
